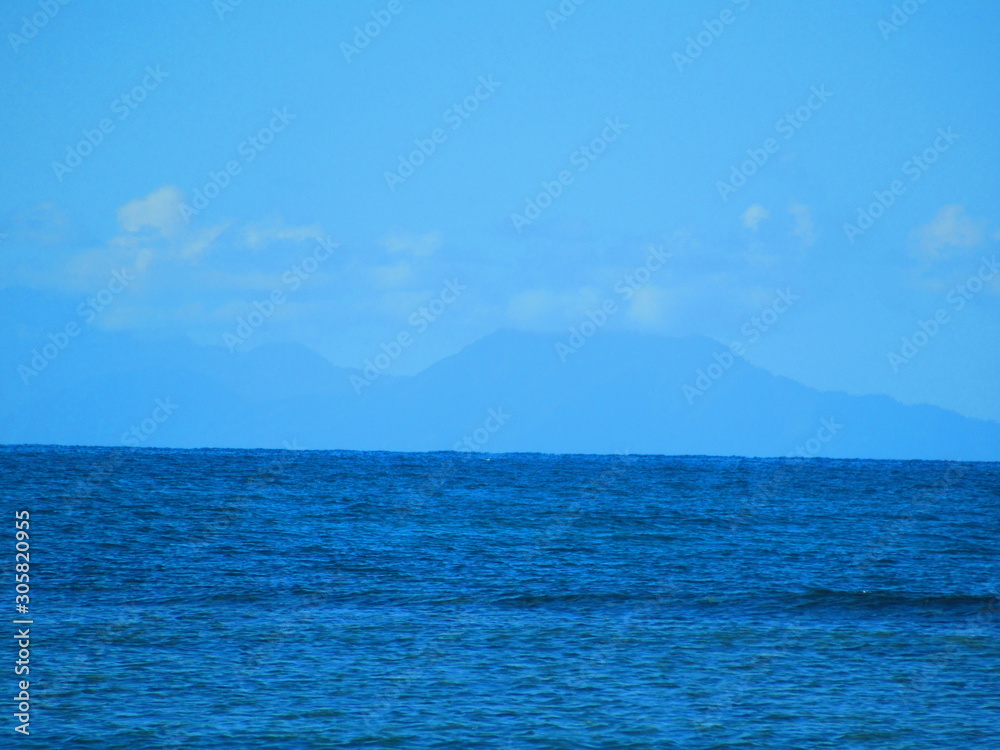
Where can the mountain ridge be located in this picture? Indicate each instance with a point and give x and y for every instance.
(510, 391)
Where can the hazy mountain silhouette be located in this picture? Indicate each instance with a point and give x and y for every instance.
(508, 392)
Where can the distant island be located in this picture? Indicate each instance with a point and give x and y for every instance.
(508, 392)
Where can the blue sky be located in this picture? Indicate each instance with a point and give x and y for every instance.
(838, 105)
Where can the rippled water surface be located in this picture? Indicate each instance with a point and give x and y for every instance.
(292, 599)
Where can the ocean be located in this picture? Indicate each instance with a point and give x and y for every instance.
(324, 599)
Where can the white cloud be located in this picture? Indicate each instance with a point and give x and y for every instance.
(257, 236)
(951, 227)
(159, 210)
(155, 243)
(754, 215)
(419, 245)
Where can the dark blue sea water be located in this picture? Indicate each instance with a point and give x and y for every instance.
(292, 599)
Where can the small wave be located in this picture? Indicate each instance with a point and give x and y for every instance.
(877, 599)
(544, 600)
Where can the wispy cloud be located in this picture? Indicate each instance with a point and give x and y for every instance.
(260, 235)
(951, 227)
(754, 215)
(420, 245)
